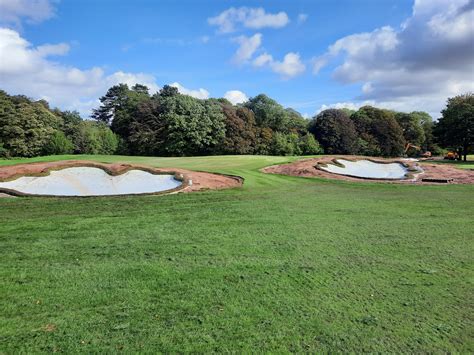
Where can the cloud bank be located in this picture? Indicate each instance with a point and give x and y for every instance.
(419, 65)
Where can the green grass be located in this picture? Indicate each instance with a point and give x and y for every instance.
(283, 264)
(469, 164)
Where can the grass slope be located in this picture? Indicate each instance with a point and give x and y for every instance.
(283, 264)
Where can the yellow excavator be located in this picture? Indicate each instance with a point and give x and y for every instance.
(451, 155)
(409, 146)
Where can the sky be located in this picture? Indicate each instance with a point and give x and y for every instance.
(309, 55)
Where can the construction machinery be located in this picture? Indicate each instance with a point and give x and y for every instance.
(451, 155)
(409, 146)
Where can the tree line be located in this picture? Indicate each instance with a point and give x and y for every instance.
(171, 124)
(31, 128)
(132, 121)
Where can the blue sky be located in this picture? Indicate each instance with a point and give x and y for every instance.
(306, 54)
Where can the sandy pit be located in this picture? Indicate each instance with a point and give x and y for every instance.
(367, 169)
(87, 178)
(431, 172)
(87, 181)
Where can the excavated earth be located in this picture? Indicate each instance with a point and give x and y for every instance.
(440, 172)
(199, 180)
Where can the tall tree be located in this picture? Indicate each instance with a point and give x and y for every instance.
(411, 124)
(296, 122)
(455, 129)
(269, 113)
(335, 131)
(379, 132)
(193, 127)
(25, 126)
(147, 131)
(125, 114)
(114, 101)
(240, 130)
(168, 90)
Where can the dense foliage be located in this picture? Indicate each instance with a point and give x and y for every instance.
(455, 129)
(132, 121)
(335, 131)
(171, 124)
(375, 132)
(25, 126)
(30, 128)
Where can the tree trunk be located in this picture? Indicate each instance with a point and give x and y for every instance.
(465, 152)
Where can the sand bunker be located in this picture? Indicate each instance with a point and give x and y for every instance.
(89, 181)
(367, 169)
(90, 178)
(422, 172)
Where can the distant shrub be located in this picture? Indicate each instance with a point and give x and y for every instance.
(4, 153)
(308, 145)
(58, 144)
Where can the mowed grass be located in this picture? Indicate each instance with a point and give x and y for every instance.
(469, 164)
(282, 264)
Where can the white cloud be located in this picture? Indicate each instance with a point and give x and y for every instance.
(248, 46)
(262, 60)
(53, 49)
(198, 94)
(34, 11)
(236, 97)
(453, 24)
(254, 18)
(367, 88)
(27, 70)
(349, 105)
(302, 18)
(319, 63)
(397, 104)
(290, 66)
(418, 66)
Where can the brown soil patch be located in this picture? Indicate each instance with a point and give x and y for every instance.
(306, 168)
(49, 328)
(192, 180)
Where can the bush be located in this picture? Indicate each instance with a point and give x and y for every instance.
(108, 141)
(379, 131)
(308, 145)
(58, 144)
(4, 153)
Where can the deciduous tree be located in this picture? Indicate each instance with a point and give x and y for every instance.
(335, 131)
(455, 129)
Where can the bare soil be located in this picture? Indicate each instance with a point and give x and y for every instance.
(306, 168)
(196, 180)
